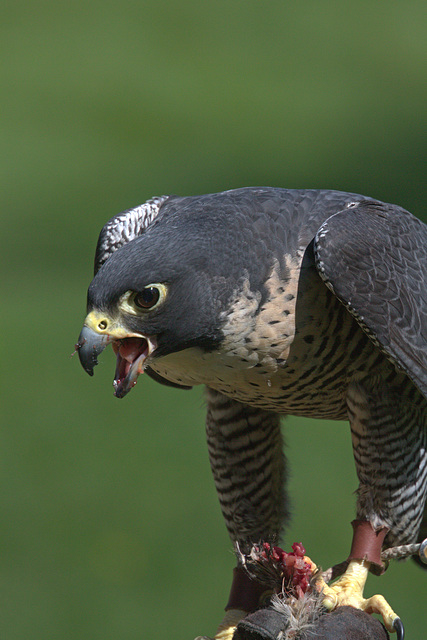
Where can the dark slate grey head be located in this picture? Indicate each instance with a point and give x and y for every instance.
(201, 255)
(193, 261)
(189, 311)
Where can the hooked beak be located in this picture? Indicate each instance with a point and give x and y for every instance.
(89, 346)
(131, 349)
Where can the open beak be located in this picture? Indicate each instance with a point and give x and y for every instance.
(132, 350)
(131, 356)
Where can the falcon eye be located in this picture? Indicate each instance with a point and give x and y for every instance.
(149, 297)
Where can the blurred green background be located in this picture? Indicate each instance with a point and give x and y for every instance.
(109, 523)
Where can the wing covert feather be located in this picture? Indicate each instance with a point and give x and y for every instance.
(373, 256)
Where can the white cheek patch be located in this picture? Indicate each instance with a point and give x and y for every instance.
(257, 339)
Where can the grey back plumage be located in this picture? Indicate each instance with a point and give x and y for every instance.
(373, 256)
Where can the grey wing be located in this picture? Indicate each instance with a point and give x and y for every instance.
(124, 227)
(373, 256)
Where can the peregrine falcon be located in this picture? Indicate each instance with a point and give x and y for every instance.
(279, 301)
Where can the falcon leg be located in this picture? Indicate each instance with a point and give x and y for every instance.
(389, 435)
(389, 444)
(348, 589)
(245, 450)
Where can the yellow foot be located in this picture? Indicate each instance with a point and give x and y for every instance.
(348, 590)
(228, 626)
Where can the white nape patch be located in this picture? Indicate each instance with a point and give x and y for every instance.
(127, 226)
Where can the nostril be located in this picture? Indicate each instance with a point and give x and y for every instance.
(102, 325)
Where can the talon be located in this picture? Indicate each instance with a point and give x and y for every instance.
(399, 628)
(228, 626)
(348, 590)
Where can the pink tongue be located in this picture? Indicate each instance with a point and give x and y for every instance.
(131, 349)
(131, 354)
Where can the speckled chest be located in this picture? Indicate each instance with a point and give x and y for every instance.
(294, 352)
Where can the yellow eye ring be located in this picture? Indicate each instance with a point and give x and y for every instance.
(149, 298)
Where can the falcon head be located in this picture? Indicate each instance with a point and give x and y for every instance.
(166, 292)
